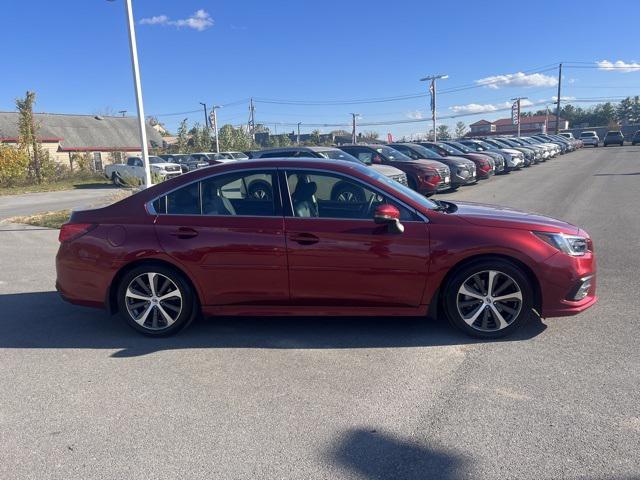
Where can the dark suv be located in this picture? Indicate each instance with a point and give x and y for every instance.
(463, 171)
(422, 178)
(187, 163)
(613, 137)
(636, 138)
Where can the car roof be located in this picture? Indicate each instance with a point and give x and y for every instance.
(300, 148)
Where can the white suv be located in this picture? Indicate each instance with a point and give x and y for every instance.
(590, 138)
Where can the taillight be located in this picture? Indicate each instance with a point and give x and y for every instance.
(71, 231)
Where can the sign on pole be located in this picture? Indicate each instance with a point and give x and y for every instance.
(515, 113)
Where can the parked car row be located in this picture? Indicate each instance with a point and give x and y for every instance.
(433, 167)
(426, 167)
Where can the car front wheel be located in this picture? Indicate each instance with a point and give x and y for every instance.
(156, 300)
(488, 298)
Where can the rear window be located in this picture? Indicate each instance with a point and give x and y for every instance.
(588, 134)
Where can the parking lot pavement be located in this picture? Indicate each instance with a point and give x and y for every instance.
(30, 203)
(82, 396)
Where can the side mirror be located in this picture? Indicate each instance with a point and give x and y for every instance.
(389, 215)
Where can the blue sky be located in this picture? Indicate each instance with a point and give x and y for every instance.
(75, 55)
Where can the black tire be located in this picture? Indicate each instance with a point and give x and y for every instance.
(188, 308)
(509, 271)
(115, 180)
(347, 193)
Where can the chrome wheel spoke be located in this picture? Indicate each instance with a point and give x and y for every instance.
(174, 294)
(470, 293)
(470, 319)
(509, 296)
(502, 323)
(153, 301)
(489, 300)
(131, 294)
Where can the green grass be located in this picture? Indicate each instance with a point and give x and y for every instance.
(56, 185)
(46, 219)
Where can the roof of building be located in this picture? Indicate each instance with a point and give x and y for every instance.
(524, 120)
(82, 132)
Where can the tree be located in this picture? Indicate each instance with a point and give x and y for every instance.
(443, 132)
(236, 139)
(315, 137)
(461, 129)
(370, 135)
(182, 137)
(39, 164)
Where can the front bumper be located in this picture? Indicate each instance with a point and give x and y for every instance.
(560, 278)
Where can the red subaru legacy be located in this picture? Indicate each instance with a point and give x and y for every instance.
(268, 237)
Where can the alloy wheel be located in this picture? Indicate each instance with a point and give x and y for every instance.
(489, 300)
(153, 301)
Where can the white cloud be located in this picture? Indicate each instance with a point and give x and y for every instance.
(201, 20)
(415, 115)
(479, 108)
(158, 20)
(564, 99)
(518, 79)
(487, 107)
(618, 66)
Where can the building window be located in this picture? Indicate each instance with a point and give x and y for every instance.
(97, 161)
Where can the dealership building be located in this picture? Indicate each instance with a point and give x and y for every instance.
(529, 125)
(104, 138)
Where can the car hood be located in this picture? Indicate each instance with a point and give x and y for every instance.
(505, 217)
(165, 165)
(387, 170)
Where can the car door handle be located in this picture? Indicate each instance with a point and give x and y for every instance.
(304, 238)
(184, 232)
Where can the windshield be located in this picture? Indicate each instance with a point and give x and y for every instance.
(335, 154)
(484, 144)
(156, 160)
(392, 154)
(425, 152)
(449, 149)
(239, 155)
(463, 148)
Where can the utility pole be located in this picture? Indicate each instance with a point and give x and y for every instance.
(558, 104)
(432, 90)
(353, 126)
(206, 117)
(546, 121)
(298, 137)
(252, 120)
(214, 118)
(122, 112)
(517, 100)
(133, 47)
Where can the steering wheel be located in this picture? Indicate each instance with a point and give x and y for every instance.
(369, 208)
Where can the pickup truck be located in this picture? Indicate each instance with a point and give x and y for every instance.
(124, 173)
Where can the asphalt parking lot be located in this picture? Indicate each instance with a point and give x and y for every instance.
(82, 396)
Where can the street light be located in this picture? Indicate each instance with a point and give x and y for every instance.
(432, 90)
(354, 116)
(214, 119)
(138, 90)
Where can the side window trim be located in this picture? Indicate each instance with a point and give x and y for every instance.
(288, 210)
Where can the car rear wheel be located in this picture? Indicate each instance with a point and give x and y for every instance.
(156, 300)
(488, 298)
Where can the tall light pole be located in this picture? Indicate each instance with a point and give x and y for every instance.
(558, 103)
(138, 89)
(206, 117)
(353, 126)
(298, 137)
(517, 100)
(214, 117)
(432, 90)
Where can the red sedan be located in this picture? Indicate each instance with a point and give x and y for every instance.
(265, 237)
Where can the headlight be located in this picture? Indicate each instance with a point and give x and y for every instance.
(573, 245)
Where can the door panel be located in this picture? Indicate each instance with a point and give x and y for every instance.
(356, 262)
(235, 260)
